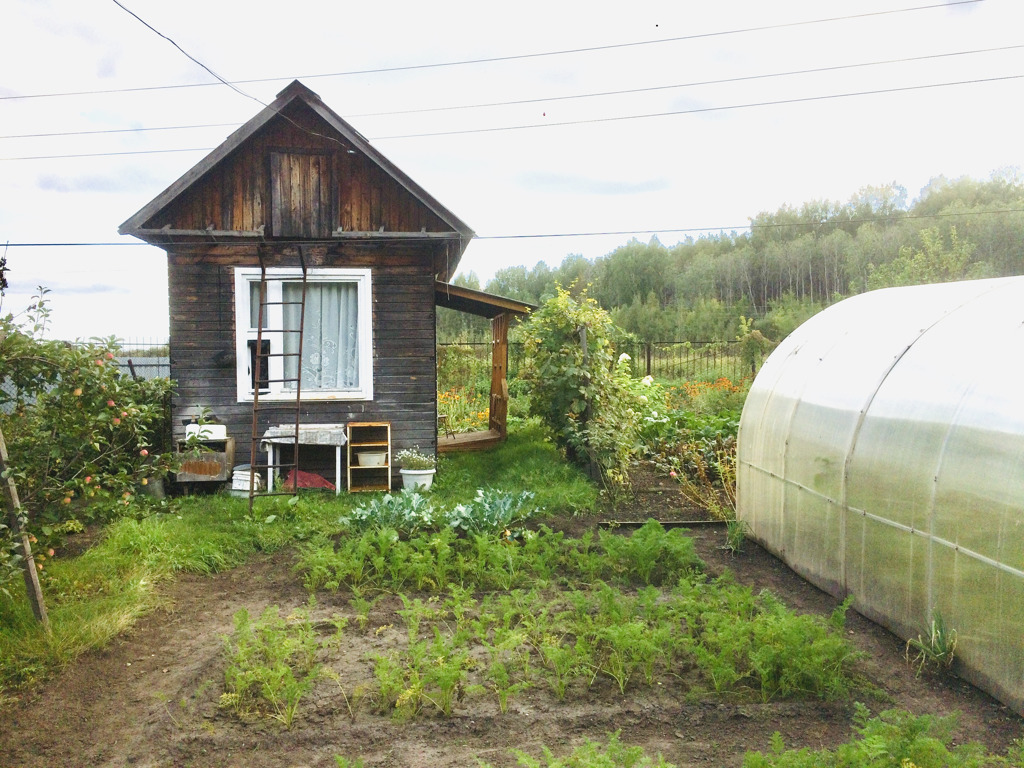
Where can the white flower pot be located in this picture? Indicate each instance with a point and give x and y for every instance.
(417, 478)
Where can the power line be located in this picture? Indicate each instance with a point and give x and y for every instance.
(698, 110)
(110, 154)
(118, 130)
(586, 121)
(901, 216)
(694, 84)
(188, 55)
(541, 100)
(225, 82)
(489, 60)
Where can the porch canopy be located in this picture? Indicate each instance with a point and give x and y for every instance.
(499, 310)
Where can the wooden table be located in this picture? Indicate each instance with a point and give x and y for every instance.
(309, 434)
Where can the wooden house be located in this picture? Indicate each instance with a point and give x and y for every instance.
(296, 183)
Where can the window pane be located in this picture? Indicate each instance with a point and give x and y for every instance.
(254, 306)
(330, 341)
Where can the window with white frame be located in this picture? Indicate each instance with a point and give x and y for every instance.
(337, 355)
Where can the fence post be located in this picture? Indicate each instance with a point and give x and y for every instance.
(28, 564)
(647, 353)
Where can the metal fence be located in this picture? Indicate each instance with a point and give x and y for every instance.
(691, 360)
(138, 364)
(665, 360)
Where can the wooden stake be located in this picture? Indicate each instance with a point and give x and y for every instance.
(28, 563)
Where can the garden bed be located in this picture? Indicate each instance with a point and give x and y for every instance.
(155, 697)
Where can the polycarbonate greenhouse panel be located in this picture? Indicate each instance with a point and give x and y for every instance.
(881, 454)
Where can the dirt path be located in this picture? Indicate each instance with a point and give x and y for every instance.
(150, 698)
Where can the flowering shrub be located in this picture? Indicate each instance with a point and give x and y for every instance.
(707, 397)
(414, 458)
(81, 437)
(466, 409)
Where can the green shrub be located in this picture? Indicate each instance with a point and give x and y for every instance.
(582, 392)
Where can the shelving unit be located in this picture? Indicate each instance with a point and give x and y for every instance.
(370, 436)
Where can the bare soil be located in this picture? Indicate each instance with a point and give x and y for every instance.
(151, 697)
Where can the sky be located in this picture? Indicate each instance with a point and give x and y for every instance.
(538, 124)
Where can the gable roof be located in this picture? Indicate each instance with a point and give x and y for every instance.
(136, 225)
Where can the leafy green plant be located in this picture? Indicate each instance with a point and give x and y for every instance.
(445, 673)
(799, 655)
(936, 650)
(652, 554)
(591, 754)
(564, 662)
(502, 683)
(271, 664)
(407, 511)
(390, 680)
(735, 535)
(362, 607)
(893, 739)
(492, 511)
(624, 648)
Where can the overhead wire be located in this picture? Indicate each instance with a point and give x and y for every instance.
(901, 216)
(188, 55)
(232, 86)
(486, 60)
(584, 121)
(549, 99)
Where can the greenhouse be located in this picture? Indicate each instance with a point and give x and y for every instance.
(881, 455)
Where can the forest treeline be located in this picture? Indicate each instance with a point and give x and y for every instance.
(788, 266)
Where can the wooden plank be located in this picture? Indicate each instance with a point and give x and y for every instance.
(277, 194)
(345, 173)
(469, 441)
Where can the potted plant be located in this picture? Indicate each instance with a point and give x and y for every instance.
(417, 468)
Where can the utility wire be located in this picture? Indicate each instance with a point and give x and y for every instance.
(490, 60)
(119, 130)
(225, 82)
(594, 120)
(541, 100)
(187, 55)
(694, 84)
(697, 110)
(900, 216)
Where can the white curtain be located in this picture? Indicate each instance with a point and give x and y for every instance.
(330, 341)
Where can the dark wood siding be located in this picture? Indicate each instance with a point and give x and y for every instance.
(202, 323)
(297, 178)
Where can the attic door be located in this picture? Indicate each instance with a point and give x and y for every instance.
(300, 194)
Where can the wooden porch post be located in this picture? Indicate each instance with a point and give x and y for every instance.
(498, 418)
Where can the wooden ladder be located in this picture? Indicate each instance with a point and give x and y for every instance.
(261, 359)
